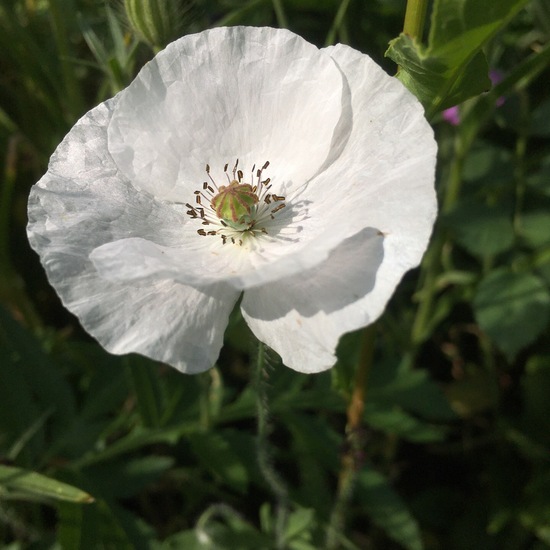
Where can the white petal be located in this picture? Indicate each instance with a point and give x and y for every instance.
(84, 202)
(302, 317)
(382, 181)
(256, 94)
(384, 177)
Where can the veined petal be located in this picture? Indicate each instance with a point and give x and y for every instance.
(83, 202)
(244, 93)
(302, 317)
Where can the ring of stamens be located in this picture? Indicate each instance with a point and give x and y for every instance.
(237, 210)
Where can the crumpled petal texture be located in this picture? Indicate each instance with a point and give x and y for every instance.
(348, 145)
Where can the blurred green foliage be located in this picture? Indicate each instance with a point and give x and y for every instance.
(98, 451)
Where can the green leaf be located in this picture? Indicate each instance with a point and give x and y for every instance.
(215, 453)
(27, 485)
(535, 385)
(78, 526)
(126, 478)
(315, 450)
(387, 510)
(535, 228)
(396, 421)
(482, 229)
(488, 166)
(540, 120)
(31, 385)
(540, 180)
(451, 68)
(512, 308)
(394, 383)
(300, 523)
(145, 382)
(432, 80)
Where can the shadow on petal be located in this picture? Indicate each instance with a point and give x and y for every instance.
(347, 276)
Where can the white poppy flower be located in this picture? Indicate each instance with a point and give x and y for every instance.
(150, 231)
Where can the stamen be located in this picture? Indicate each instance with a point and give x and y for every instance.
(236, 209)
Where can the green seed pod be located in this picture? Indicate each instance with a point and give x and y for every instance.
(157, 22)
(234, 204)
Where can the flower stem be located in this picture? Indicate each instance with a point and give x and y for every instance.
(353, 457)
(415, 16)
(265, 460)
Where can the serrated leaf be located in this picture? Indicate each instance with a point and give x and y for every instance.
(512, 308)
(28, 485)
(387, 510)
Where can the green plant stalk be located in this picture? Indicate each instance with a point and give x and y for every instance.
(265, 460)
(279, 9)
(352, 458)
(415, 16)
(337, 23)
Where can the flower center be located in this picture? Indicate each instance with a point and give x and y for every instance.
(238, 210)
